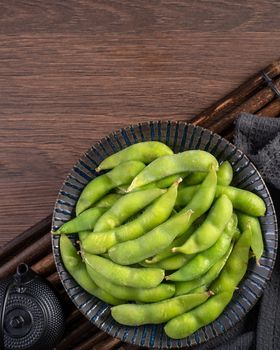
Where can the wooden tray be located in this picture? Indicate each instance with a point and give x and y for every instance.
(258, 95)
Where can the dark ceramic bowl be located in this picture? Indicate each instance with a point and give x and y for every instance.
(180, 137)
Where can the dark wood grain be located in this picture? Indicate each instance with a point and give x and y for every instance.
(70, 72)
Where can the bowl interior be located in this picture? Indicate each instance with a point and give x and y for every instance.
(179, 136)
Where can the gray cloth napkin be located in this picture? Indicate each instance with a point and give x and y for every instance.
(259, 139)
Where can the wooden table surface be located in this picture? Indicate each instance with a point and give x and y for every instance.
(73, 71)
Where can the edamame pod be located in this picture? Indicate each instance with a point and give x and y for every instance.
(203, 261)
(203, 197)
(161, 237)
(187, 323)
(164, 183)
(236, 266)
(188, 286)
(125, 207)
(200, 289)
(167, 252)
(77, 269)
(224, 176)
(243, 200)
(245, 221)
(195, 160)
(145, 295)
(83, 222)
(209, 232)
(124, 275)
(83, 235)
(154, 215)
(145, 152)
(108, 200)
(155, 313)
(151, 243)
(101, 185)
(173, 262)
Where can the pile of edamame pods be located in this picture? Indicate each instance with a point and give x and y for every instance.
(164, 237)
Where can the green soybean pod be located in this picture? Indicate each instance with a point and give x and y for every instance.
(195, 196)
(224, 176)
(185, 195)
(158, 212)
(164, 183)
(200, 289)
(167, 252)
(108, 200)
(243, 200)
(145, 152)
(245, 221)
(83, 235)
(161, 237)
(125, 275)
(145, 295)
(77, 269)
(195, 160)
(102, 184)
(83, 222)
(236, 266)
(209, 232)
(194, 178)
(189, 322)
(156, 313)
(203, 261)
(126, 207)
(173, 262)
(205, 280)
(151, 243)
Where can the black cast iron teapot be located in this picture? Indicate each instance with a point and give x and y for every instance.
(31, 315)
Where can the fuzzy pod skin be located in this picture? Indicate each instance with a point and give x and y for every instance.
(151, 243)
(211, 229)
(144, 295)
(77, 269)
(161, 237)
(158, 212)
(257, 245)
(145, 152)
(156, 313)
(108, 200)
(187, 287)
(174, 262)
(186, 324)
(203, 197)
(83, 222)
(245, 201)
(236, 265)
(101, 185)
(203, 261)
(167, 252)
(224, 176)
(188, 161)
(125, 275)
(127, 206)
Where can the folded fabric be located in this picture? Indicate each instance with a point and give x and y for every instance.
(259, 138)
